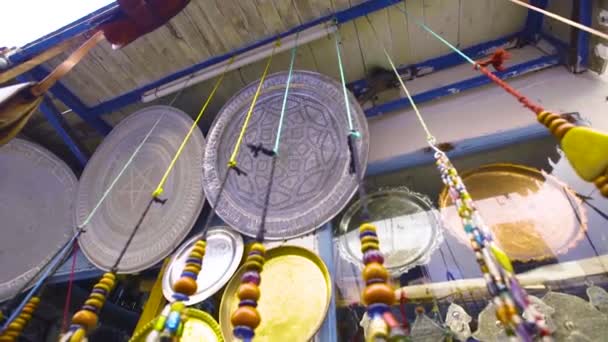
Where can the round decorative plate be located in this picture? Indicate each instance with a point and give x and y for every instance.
(409, 229)
(222, 257)
(36, 204)
(200, 326)
(533, 215)
(312, 180)
(165, 225)
(295, 295)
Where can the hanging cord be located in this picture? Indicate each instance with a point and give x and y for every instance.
(494, 263)
(378, 295)
(68, 296)
(562, 19)
(280, 128)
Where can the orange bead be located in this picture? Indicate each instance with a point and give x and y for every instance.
(374, 270)
(247, 316)
(379, 293)
(249, 291)
(604, 190)
(601, 181)
(185, 285)
(85, 318)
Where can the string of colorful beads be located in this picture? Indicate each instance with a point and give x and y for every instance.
(378, 295)
(14, 329)
(170, 323)
(246, 318)
(508, 296)
(86, 318)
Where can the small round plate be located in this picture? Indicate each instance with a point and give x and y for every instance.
(165, 225)
(200, 326)
(295, 295)
(523, 207)
(222, 257)
(36, 203)
(312, 181)
(408, 226)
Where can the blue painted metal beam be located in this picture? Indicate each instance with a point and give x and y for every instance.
(455, 88)
(58, 122)
(62, 93)
(76, 28)
(585, 13)
(444, 62)
(340, 17)
(328, 331)
(534, 21)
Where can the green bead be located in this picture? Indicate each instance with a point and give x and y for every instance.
(159, 325)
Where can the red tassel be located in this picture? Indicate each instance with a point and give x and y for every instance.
(496, 60)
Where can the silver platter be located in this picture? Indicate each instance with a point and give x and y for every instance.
(408, 226)
(312, 181)
(222, 257)
(166, 225)
(36, 203)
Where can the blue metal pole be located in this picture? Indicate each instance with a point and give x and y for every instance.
(585, 13)
(329, 329)
(534, 21)
(58, 122)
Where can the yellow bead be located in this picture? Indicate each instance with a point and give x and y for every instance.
(108, 282)
(197, 255)
(13, 334)
(374, 270)
(78, 335)
(178, 306)
(256, 246)
(601, 181)
(198, 250)
(249, 291)
(247, 316)
(587, 151)
(102, 287)
(15, 326)
(253, 265)
(256, 258)
(109, 275)
(185, 285)
(604, 190)
(20, 320)
(192, 268)
(25, 316)
(369, 239)
(378, 293)
(369, 245)
(85, 318)
(97, 296)
(35, 300)
(94, 302)
(502, 315)
(367, 227)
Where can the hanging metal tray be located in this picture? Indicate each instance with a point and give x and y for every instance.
(409, 229)
(532, 214)
(36, 204)
(296, 290)
(166, 225)
(312, 181)
(200, 326)
(222, 257)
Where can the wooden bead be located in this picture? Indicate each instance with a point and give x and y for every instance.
(249, 291)
(542, 116)
(379, 293)
(374, 270)
(247, 316)
(85, 318)
(185, 285)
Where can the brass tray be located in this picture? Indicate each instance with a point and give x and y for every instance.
(200, 326)
(296, 291)
(533, 215)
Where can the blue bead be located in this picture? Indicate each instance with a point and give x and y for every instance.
(181, 297)
(172, 322)
(189, 274)
(194, 261)
(468, 228)
(377, 309)
(243, 332)
(367, 233)
(248, 302)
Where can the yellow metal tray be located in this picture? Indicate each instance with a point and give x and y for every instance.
(295, 296)
(200, 326)
(533, 215)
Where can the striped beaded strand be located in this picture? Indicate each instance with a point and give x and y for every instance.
(246, 318)
(14, 329)
(170, 323)
(378, 295)
(498, 280)
(86, 318)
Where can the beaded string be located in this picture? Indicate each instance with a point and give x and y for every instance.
(378, 295)
(169, 324)
(509, 297)
(14, 329)
(592, 168)
(246, 318)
